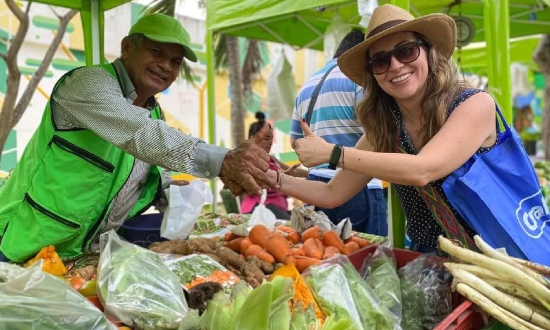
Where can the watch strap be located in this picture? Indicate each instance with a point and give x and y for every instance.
(335, 156)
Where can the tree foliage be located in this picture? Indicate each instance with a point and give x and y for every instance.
(14, 107)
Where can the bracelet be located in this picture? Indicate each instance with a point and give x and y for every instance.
(282, 179)
(343, 150)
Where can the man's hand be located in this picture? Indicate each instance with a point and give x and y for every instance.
(246, 166)
(179, 182)
(311, 149)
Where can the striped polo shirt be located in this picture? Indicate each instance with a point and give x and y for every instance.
(333, 117)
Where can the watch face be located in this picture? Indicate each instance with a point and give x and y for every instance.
(465, 30)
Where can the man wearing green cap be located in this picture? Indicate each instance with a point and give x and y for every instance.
(98, 155)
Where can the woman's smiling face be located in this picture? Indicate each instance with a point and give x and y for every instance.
(402, 81)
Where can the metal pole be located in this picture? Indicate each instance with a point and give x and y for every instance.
(210, 80)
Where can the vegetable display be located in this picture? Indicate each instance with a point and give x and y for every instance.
(514, 292)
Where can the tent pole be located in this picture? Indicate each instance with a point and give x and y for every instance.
(210, 81)
(497, 34)
(396, 216)
(96, 48)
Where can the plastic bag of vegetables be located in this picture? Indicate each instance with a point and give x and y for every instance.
(343, 294)
(136, 287)
(32, 299)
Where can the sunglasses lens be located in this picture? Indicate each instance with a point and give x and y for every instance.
(380, 63)
(407, 53)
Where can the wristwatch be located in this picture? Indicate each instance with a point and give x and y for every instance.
(335, 156)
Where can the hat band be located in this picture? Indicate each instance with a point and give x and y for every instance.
(385, 26)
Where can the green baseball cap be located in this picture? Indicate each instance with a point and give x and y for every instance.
(165, 29)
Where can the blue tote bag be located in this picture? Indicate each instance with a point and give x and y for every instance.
(498, 194)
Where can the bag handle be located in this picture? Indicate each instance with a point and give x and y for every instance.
(315, 94)
(504, 123)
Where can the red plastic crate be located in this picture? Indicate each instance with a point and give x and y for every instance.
(465, 316)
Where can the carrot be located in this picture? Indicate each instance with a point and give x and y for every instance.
(278, 247)
(285, 229)
(229, 236)
(331, 238)
(259, 234)
(314, 248)
(313, 232)
(297, 252)
(352, 246)
(253, 250)
(330, 251)
(361, 241)
(303, 263)
(293, 237)
(290, 260)
(265, 256)
(245, 243)
(235, 244)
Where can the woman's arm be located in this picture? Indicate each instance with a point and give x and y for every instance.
(339, 190)
(470, 126)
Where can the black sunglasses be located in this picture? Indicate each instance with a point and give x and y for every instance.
(405, 53)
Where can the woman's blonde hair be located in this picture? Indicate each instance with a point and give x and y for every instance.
(442, 87)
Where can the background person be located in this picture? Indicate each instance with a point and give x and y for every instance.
(94, 160)
(333, 119)
(275, 201)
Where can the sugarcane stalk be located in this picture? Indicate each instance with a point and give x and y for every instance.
(505, 301)
(541, 292)
(491, 252)
(493, 309)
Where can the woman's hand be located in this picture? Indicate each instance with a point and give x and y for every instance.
(311, 149)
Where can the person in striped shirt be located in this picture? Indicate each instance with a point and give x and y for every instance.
(333, 118)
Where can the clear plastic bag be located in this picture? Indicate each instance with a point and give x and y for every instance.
(184, 208)
(380, 272)
(136, 287)
(334, 34)
(340, 291)
(31, 299)
(426, 292)
(262, 215)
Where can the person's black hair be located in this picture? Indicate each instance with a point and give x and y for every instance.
(353, 38)
(257, 126)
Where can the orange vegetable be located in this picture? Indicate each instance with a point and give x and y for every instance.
(229, 236)
(313, 232)
(253, 250)
(303, 263)
(314, 248)
(278, 247)
(330, 251)
(285, 229)
(265, 256)
(77, 282)
(361, 241)
(245, 243)
(290, 260)
(302, 294)
(52, 263)
(331, 238)
(293, 237)
(235, 244)
(298, 252)
(352, 246)
(259, 234)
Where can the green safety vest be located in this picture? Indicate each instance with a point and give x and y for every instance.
(62, 189)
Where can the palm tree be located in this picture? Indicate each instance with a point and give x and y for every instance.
(227, 58)
(542, 58)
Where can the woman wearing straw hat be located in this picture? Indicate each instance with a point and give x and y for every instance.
(421, 124)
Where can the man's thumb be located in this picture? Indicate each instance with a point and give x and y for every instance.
(305, 128)
(261, 135)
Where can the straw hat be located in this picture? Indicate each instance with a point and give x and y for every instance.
(438, 29)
